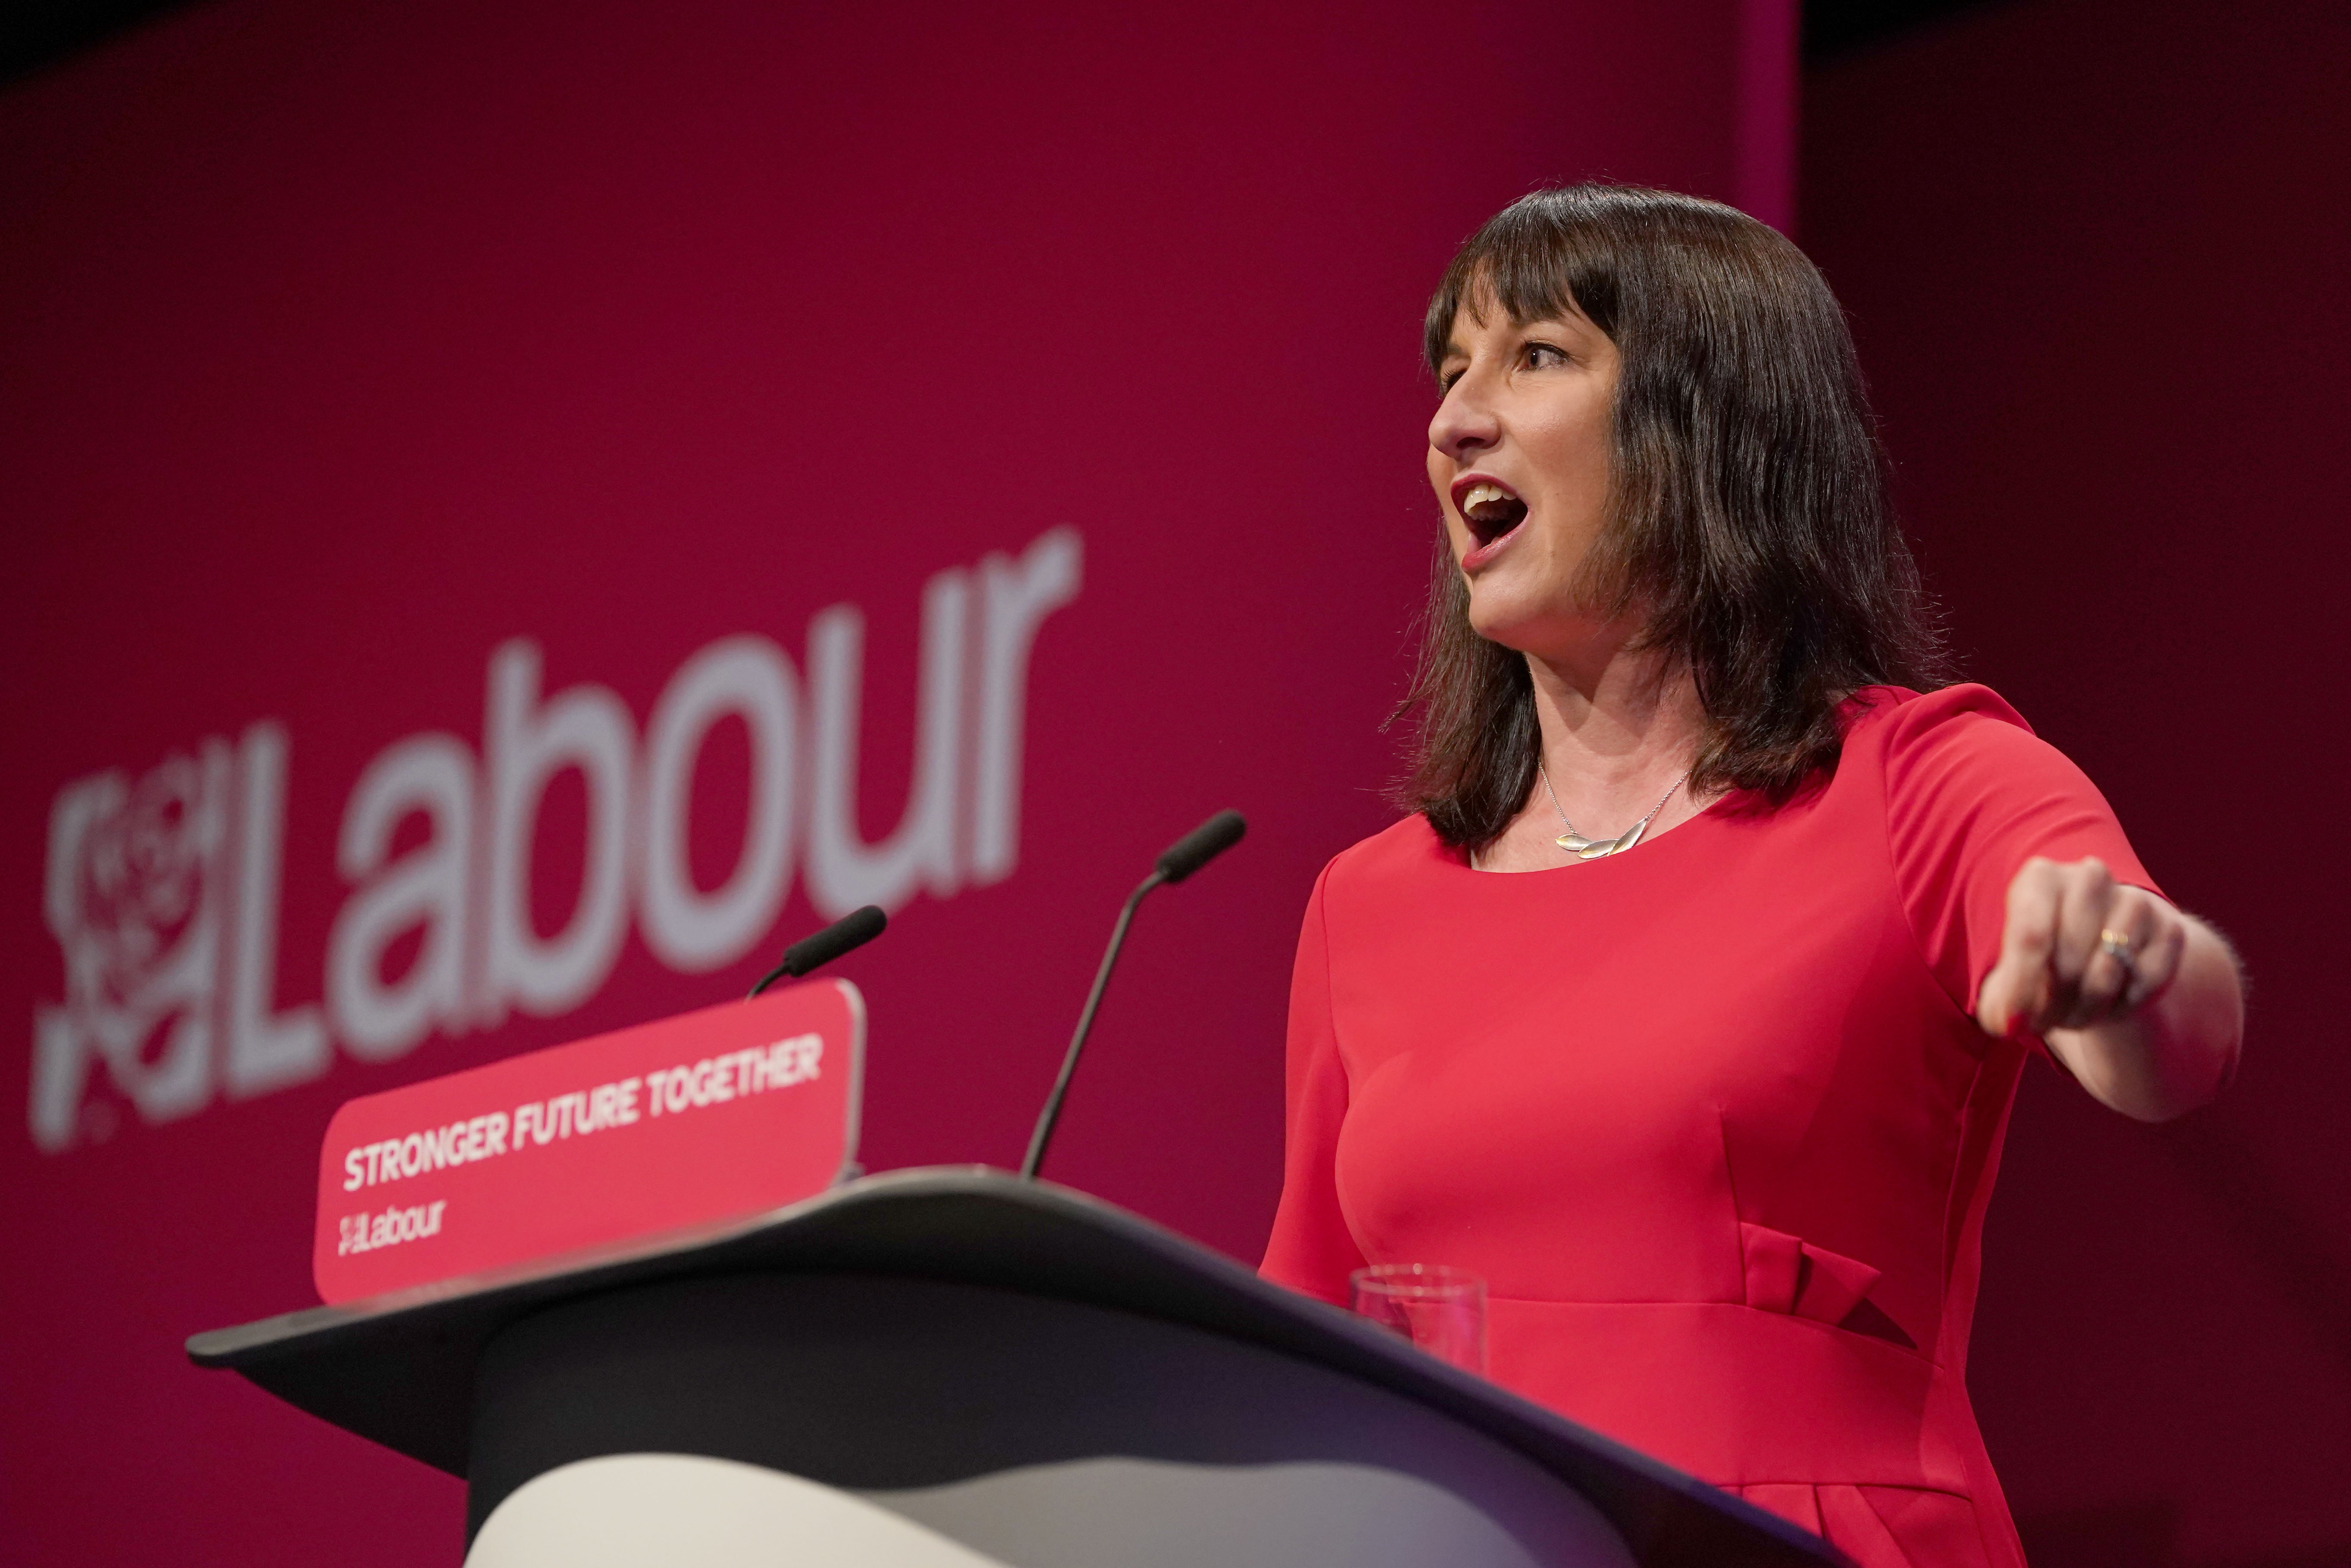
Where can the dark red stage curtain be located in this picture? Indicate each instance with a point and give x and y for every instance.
(2095, 252)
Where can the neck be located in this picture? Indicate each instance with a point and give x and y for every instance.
(1617, 730)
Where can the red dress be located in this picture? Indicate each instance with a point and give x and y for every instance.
(1711, 1118)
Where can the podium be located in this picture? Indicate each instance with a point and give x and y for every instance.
(954, 1369)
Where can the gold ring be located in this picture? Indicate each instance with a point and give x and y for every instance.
(2116, 946)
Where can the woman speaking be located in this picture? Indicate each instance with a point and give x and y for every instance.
(1687, 1006)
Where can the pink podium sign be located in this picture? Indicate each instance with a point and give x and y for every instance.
(707, 1116)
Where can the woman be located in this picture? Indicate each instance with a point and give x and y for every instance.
(1688, 1005)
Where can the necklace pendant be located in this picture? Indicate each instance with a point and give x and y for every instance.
(1584, 849)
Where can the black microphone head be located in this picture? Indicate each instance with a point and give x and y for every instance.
(1202, 845)
(847, 934)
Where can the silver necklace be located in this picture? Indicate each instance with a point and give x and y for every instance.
(1584, 849)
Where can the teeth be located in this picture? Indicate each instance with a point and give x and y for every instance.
(1482, 495)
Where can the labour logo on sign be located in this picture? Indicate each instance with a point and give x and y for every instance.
(162, 895)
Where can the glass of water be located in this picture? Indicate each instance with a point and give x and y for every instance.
(1441, 1310)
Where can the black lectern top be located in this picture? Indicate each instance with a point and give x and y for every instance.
(400, 1369)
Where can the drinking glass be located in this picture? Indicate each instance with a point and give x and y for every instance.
(1441, 1310)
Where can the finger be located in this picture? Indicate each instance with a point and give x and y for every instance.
(2084, 892)
(2035, 900)
(1996, 1003)
(2112, 974)
(2015, 992)
(2159, 951)
(2093, 906)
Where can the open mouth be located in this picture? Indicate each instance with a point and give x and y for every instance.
(1490, 511)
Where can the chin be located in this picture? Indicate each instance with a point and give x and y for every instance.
(1510, 625)
(1542, 628)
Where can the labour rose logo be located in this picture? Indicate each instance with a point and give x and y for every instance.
(133, 896)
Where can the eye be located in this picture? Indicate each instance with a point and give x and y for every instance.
(1445, 378)
(1544, 355)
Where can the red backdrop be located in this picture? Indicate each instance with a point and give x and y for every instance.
(2093, 251)
(345, 345)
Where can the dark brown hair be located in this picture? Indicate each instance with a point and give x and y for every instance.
(1749, 521)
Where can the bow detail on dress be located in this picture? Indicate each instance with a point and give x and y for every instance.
(1786, 1274)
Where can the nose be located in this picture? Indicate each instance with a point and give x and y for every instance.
(1465, 424)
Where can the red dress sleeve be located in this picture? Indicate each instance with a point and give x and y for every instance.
(1311, 1249)
(1971, 794)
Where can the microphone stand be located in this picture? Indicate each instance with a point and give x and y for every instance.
(1183, 858)
(1052, 1111)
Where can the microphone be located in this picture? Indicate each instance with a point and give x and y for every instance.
(1183, 858)
(845, 935)
(1202, 845)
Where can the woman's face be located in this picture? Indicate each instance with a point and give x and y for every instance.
(1518, 456)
